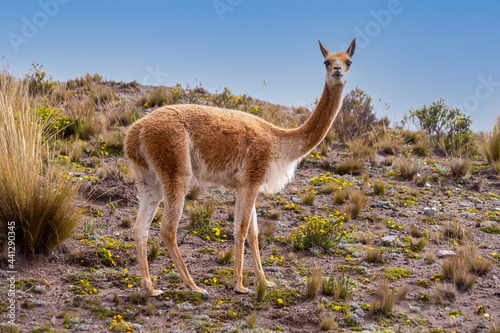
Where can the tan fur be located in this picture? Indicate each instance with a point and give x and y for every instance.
(177, 144)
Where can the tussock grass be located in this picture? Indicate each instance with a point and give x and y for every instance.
(340, 287)
(308, 198)
(193, 193)
(349, 166)
(226, 256)
(423, 146)
(454, 230)
(459, 166)
(379, 187)
(40, 200)
(392, 145)
(357, 201)
(360, 150)
(154, 250)
(490, 146)
(327, 323)
(385, 297)
(313, 283)
(406, 168)
(422, 180)
(444, 293)
(375, 255)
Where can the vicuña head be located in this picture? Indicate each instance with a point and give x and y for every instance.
(177, 145)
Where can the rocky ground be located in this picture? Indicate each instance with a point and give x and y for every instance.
(92, 282)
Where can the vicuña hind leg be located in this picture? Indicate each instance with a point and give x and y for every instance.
(245, 200)
(173, 210)
(150, 195)
(254, 248)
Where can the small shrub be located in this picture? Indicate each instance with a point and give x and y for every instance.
(349, 166)
(340, 287)
(356, 116)
(318, 233)
(379, 187)
(308, 198)
(442, 122)
(406, 168)
(313, 283)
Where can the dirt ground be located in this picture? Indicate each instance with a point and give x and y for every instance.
(81, 287)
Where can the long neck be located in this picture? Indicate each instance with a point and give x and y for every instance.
(306, 137)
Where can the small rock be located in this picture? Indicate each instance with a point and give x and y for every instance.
(429, 212)
(443, 253)
(415, 308)
(392, 213)
(186, 306)
(387, 240)
(482, 325)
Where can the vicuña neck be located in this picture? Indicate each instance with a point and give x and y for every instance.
(306, 137)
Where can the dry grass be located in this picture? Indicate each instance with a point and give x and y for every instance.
(454, 230)
(154, 251)
(193, 193)
(360, 150)
(41, 200)
(159, 96)
(251, 319)
(341, 195)
(226, 256)
(459, 166)
(490, 146)
(444, 293)
(379, 187)
(422, 180)
(349, 166)
(406, 168)
(323, 148)
(200, 214)
(385, 297)
(275, 214)
(392, 145)
(357, 201)
(375, 255)
(430, 257)
(457, 269)
(308, 198)
(327, 323)
(261, 290)
(418, 245)
(329, 187)
(423, 145)
(314, 283)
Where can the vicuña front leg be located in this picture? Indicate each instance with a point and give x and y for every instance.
(173, 211)
(254, 248)
(245, 200)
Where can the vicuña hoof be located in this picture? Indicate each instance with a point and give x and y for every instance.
(270, 284)
(198, 290)
(242, 290)
(154, 292)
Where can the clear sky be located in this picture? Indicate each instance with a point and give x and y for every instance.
(410, 52)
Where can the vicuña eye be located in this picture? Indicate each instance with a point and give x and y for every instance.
(327, 63)
(348, 63)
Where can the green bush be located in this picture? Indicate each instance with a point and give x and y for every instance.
(451, 126)
(318, 233)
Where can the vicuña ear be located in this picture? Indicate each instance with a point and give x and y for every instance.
(352, 48)
(323, 49)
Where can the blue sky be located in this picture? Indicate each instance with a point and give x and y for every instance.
(410, 53)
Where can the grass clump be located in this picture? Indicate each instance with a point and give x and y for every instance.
(313, 283)
(155, 250)
(490, 147)
(40, 199)
(445, 293)
(454, 230)
(459, 166)
(349, 166)
(251, 320)
(193, 193)
(261, 290)
(357, 201)
(406, 168)
(327, 323)
(340, 287)
(226, 256)
(319, 234)
(375, 255)
(379, 187)
(308, 198)
(385, 297)
(360, 150)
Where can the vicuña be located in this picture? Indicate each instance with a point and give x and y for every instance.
(179, 143)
